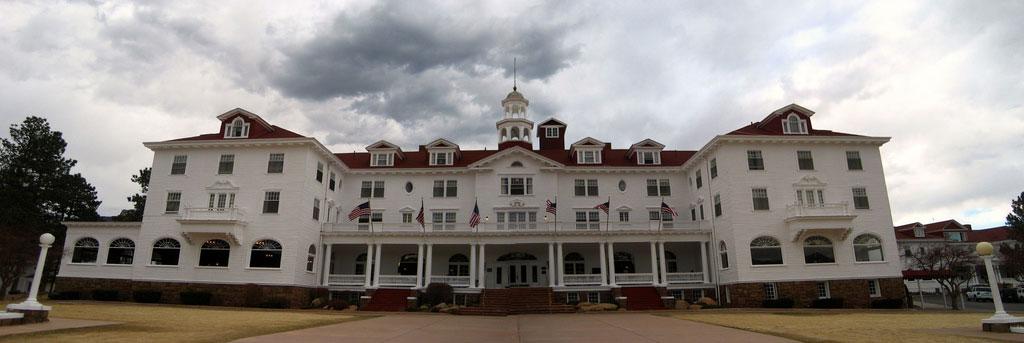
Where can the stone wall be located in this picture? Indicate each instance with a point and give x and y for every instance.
(853, 292)
(222, 294)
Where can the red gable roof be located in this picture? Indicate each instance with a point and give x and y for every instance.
(754, 129)
(277, 132)
(931, 231)
(420, 159)
(996, 234)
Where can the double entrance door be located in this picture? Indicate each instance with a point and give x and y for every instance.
(520, 274)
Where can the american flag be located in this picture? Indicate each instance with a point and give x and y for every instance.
(474, 219)
(419, 217)
(604, 206)
(361, 210)
(552, 208)
(668, 210)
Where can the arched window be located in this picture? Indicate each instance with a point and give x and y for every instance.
(265, 254)
(237, 129)
(165, 252)
(504, 134)
(310, 257)
(574, 264)
(526, 135)
(723, 252)
(458, 265)
(794, 125)
(515, 133)
(121, 251)
(868, 248)
(818, 249)
(624, 263)
(86, 250)
(360, 264)
(407, 264)
(214, 253)
(765, 250)
(516, 164)
(670, 262)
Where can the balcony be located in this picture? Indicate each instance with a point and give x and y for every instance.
(397, 280)
(511, 227)
(454, 281)
(833, 219)
(346, 280)
(634, 279)
(582, 279)
(202, 223)
(228, 215)
(694, 277)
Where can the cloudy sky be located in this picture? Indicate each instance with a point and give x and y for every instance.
(944, 79)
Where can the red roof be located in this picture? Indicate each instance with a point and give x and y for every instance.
(996, 234)
(931, 231)
(755, 129)
(277, 132)
(611, 158)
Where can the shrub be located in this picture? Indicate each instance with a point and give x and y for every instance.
(887, 303)
(778, 303)
(275, 302)
(827, 303)
(338, 304)
(437, 293)
(195, 298)
(66, 295)
(105, 294)
(146, 296)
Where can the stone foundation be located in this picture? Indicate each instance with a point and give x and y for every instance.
(854, 293)
(33, 316)
(250, 295)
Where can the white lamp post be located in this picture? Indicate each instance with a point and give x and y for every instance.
(32, 303)
(1000, 318)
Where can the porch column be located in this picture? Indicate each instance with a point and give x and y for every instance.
(472, 265)
(704, 260)
(419, 265)
(561, 266)
(376, 264)
(430, 265)
(611, 264)
(600, 261)
(663, 263)
(327, 264)
(481, 274)
(654, 263)
(368, 269)
(551, 265)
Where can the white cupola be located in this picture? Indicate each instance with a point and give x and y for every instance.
(514, 125)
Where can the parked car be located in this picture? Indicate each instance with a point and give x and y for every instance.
(979, 293)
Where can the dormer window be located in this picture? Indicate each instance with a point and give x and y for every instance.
(441, 158)
(588, 157)
(238, 128)
(382, 159)
(648, 157)
(918, 232)
(793, 125)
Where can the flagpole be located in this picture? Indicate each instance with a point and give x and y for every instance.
(369, 216)
(423, 227)
(661, 212)
(608, 215)
(556, 213)
(476, 206)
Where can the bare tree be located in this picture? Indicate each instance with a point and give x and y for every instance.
(951, 265)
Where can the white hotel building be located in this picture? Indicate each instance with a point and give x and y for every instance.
(775, 209)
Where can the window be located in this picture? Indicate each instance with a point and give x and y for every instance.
(275, 165)
(121, 251)
(670, 262)
(718, 205)
(443, 220)
(765, 250)
(954, 236)
(551, 132)
(754, 160)
(586, 187)
(649, 157)
(238, 128)
(594, 297)
(624, 263)
(360, 266)
(693, 213)
(853, 160)
(588, 157)
(446, 188)
(271, 201)
(806, 197)
(701, 210)
(516, 220)
(332, 182)
(804, 160)
(366, 220)
(316, 209)
(818, 249)
(699, 179)
(793, 125)
(408, 187)
(310, 258)
(221, 201)
(574, 264)
(873, 289)
(320, 172)
(371, 189)
(406, 217)
(659, 187)
(713, 168)
(226, 165)
(918, 232)
(85, 251)
(867, 248)
(173, 202)
(458, 265)
(655, 214)
(165, 252)
(723, 252)
(623, 216)
(860, 198)
(178, 166)
(770, 292)
(214, 253)
(622, 185)
(760, 197)
(823, 291)
(511, 185)
(382, 159)
(572, 297)
(441, 158)
(588, 220)
(265, 254)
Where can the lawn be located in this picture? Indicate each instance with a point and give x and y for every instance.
(824, 326)
(172, 323)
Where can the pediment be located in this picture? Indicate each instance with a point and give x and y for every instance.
(551, 122)
(809, 181)
(442, 143)
(382, 145)
(588, 142)
(222, 185)
(249, 115)
(518, 152)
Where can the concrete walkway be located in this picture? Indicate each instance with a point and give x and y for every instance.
(591, 328)
(53, 324)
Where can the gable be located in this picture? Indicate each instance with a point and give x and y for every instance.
(490, 161)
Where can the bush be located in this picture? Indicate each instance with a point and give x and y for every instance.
(778, 303)
(105, 294)
(146, 296)
(437, 293)
(195, 298)
(827, 303)
(274, 302)
(66, 295)
(338, 304)
(887, 303)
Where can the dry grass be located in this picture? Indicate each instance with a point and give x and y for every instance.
(848, 326)
(169, 323)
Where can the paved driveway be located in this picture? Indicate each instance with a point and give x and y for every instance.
(591, 328)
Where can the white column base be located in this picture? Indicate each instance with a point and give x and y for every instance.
(28, 306)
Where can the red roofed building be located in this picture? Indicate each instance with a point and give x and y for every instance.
(914, 238)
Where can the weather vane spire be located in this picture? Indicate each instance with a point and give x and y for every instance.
(514, 83)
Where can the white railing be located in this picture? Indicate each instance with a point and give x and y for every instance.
(215, 214)
(345, 280)
(697, 277)
(517, 226)
(563, 226)
(454, 281)
(634, 278)
(818, 210)
(582, 279)
(397, 280)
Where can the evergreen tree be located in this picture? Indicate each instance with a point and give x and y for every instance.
(138, 200)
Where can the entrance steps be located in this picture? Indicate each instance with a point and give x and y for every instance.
(500, 302)
(389, 299)
(642, 298)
